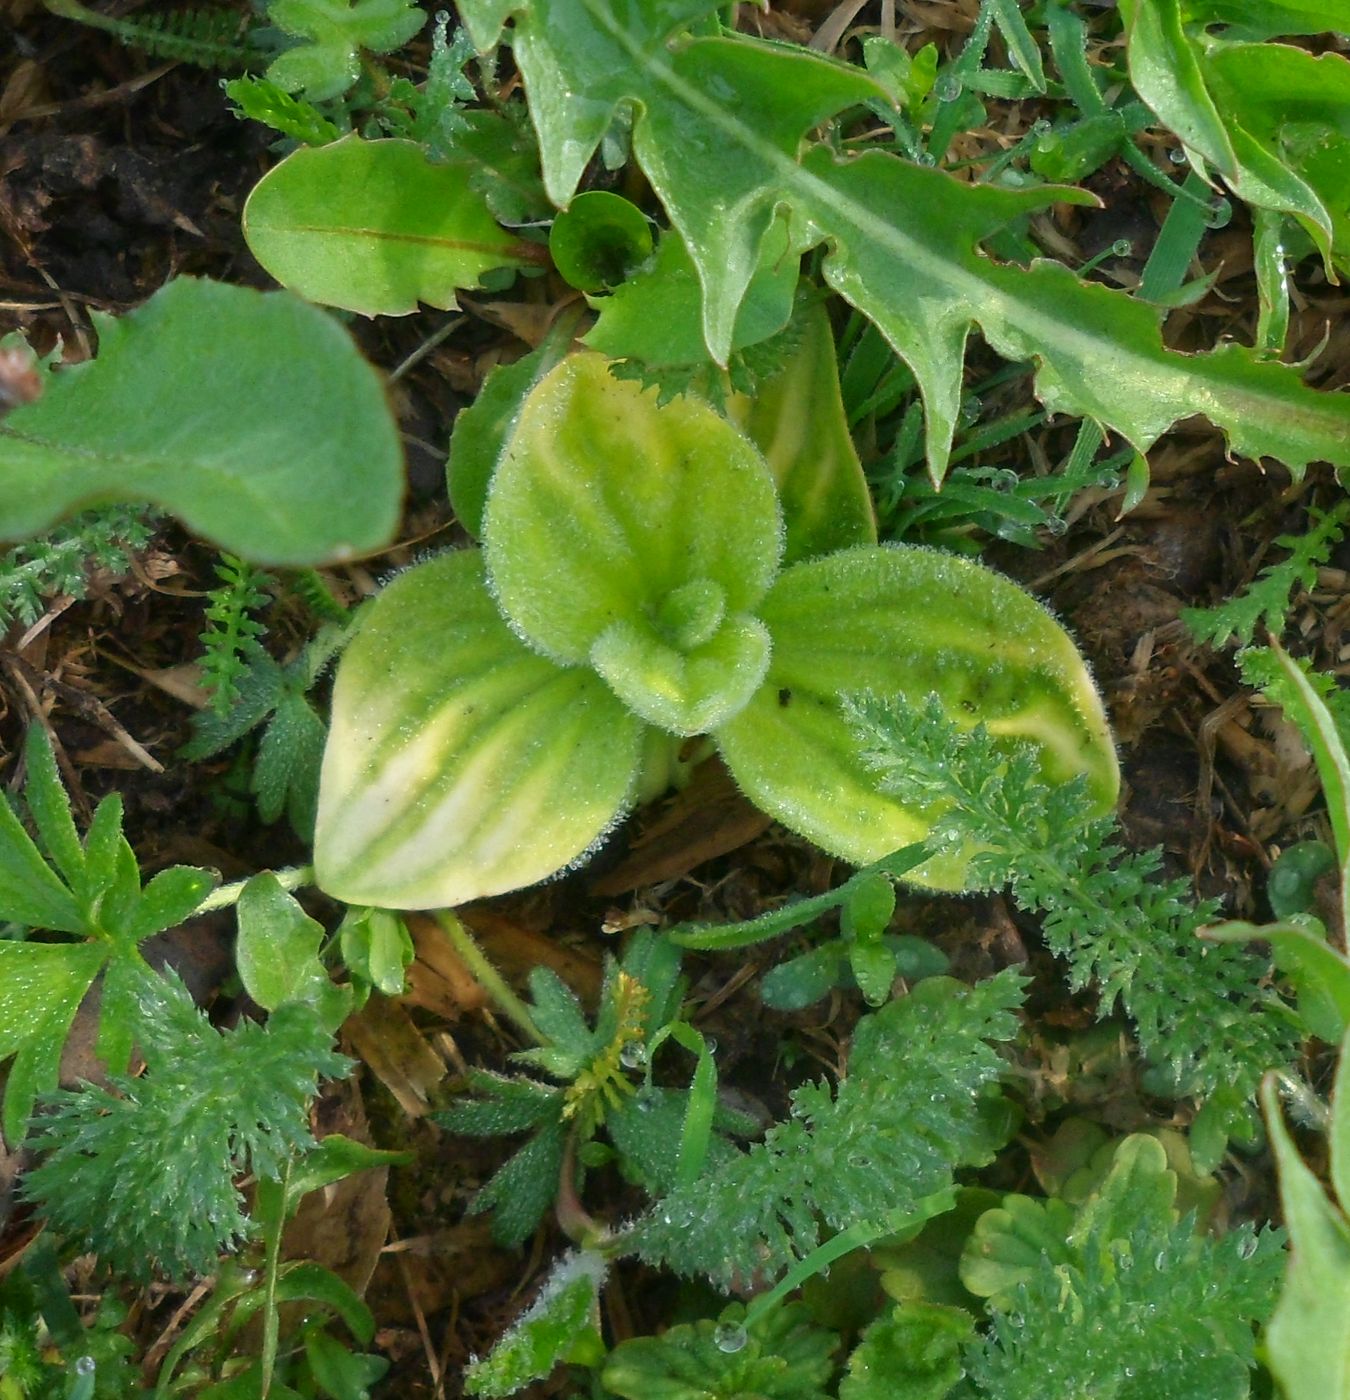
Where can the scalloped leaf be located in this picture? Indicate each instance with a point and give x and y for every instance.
(226, 407)
(606, 508)
(911, 622)
(375, 227)
(460, 763)
(328, 62)
(719, 131)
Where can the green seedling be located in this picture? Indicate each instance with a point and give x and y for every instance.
(864, 954)
(499, 709)
(594, 1069)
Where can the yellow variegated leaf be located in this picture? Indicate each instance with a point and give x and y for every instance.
(797, 421)
(911, 622)
(606, 508)
(460, 763)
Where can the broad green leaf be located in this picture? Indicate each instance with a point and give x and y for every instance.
(607, 508)
(482, 428)
(41, 987)
(1308, 1338)
(719, 133)
(226, 407)
(1099, 353)
(30, 891)
(278, 947)
(797, 420)
(460, 763)
(1233, 103)
(562, 1322)
(1295, 108)
(375, 227)
(335, 31)
(598, 240)
(904, 621)
(1165, 70)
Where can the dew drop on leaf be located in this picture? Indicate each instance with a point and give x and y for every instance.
(85, 1366)
(1218, 214)
(947, 88)
(1177, 156)
(926, 158)
(729, 1337)
(633, 1055)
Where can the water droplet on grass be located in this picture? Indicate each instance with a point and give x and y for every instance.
(729, 1337)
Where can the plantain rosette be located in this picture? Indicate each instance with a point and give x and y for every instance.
(500, 709)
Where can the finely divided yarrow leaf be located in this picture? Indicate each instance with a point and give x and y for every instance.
(143, 1175)
(879, 1143)
(1199, 1009)
(1265, 601)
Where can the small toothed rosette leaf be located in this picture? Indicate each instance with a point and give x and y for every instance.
(460, 763)
(910, 622)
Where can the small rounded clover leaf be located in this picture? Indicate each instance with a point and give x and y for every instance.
(497, 711)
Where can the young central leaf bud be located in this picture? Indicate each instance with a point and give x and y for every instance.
(690, 615)
(683, 691)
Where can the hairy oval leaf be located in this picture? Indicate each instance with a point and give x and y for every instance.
(227, 407)
(460, 763)
(910, 622)
(606, 507)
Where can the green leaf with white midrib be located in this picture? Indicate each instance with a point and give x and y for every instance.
(926, 293)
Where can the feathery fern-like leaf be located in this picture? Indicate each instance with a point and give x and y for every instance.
(881, 1142)
(208, 38)
(1200, 1010)
(143, 1175)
